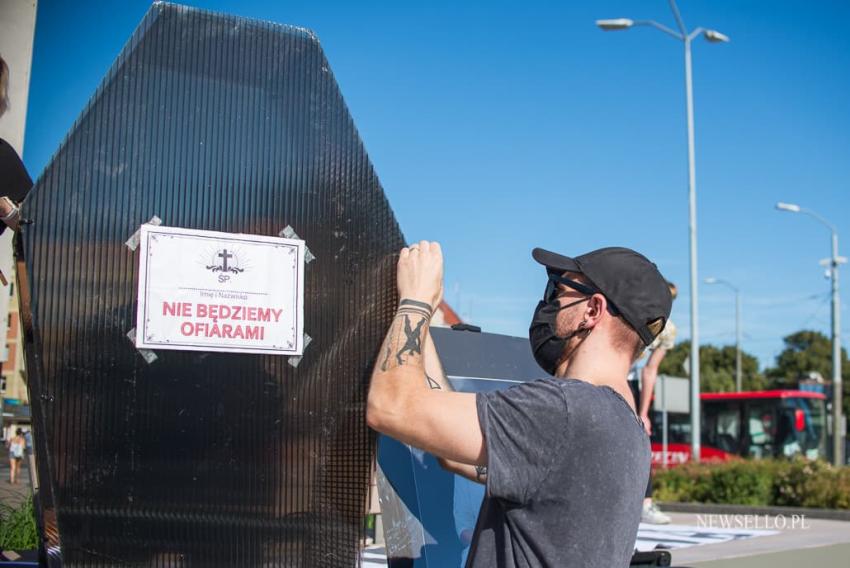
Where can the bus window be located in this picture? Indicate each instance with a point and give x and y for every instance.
(722, 424)
(678, 428)
(761, 427)
(810, 440)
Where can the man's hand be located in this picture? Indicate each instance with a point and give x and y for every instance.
(420, 273)
(647, 424)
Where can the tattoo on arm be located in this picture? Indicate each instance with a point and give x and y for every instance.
(415, 304)
(432, 383)
(480, 471)
(403, 344)
(413, 340)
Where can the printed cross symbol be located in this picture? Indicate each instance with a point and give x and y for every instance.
(224, 255)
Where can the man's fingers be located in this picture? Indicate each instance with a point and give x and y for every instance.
(426, 246)
(422, 248)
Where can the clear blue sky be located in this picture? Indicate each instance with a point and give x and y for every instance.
(499, 126)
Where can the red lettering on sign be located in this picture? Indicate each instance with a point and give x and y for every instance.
(177, 309)
(225, 330)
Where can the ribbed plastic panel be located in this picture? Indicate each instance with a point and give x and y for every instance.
(205, 459)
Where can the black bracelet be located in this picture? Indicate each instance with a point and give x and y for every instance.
(410, 310)
(415, 303)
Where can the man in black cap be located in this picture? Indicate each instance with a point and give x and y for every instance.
(566, 458)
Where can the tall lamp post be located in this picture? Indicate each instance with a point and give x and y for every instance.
(686, 38)
(712, 280)
(833, 262)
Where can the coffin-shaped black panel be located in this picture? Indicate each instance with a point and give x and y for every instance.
(205, 459)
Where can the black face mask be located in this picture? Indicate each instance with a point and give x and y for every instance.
(546, 345)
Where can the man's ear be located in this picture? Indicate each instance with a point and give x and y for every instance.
(596, 307)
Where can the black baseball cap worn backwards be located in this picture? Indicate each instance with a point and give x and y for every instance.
(627, 279)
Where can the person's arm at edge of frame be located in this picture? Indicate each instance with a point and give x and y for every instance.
(647, 386)
(400, 403)
(435, 374)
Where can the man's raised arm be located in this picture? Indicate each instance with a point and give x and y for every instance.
(401, 402)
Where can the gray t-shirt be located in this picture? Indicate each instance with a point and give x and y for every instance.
(568, 464)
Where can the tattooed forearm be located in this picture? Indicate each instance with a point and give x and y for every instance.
(403, 344)
(480, 472)
(432, 383)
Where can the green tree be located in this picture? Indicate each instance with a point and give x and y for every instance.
(808, 351)
(716, 367)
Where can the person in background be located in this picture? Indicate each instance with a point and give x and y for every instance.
(643, 391)
(15, 182)
(17, 446)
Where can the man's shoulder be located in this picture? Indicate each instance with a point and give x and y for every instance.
(557, 385)
(548, 385)
(532, 398)
(565, 393)
(562, 384)
(570, 392)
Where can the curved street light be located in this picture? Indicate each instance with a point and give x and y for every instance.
(615, 24)
(712, 36)
(833, 262)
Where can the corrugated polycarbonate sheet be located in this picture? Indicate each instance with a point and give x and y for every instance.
(205, 459)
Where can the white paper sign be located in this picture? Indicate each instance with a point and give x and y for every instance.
(211, 291)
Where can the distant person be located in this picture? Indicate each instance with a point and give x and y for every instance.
(564, 459)
(642, 391)
(15, 182)
(17, 446)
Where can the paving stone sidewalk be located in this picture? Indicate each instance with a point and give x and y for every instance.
(14, 495)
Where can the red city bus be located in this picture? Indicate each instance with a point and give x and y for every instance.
(753, 424)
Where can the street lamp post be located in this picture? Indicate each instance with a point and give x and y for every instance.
(738, 374)
(682, 35)
(833, 262)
